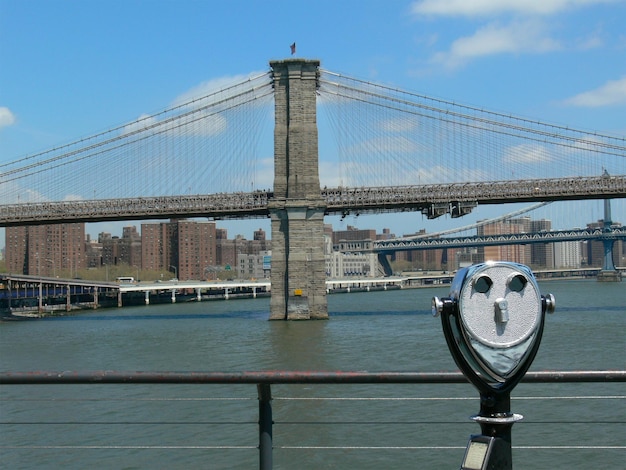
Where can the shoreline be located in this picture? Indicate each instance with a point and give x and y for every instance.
(50, 311)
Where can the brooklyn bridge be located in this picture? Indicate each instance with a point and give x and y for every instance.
(391, 151)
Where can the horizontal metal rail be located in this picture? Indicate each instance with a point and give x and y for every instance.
(288, 377)
(264, 379)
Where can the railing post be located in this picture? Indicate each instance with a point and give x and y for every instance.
(265, 426)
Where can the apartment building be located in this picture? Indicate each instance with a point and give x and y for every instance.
(184, 247)
(46, 250)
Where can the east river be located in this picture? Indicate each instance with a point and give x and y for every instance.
(316, 426)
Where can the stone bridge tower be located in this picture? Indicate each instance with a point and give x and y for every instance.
(297, 209)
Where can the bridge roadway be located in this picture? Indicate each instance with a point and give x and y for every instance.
(26, 294)
(228, 288)
(433, 200)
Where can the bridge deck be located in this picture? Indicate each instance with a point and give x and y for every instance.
(239, 205)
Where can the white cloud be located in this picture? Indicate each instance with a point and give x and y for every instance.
(612, 93)
(143, 122)
(200, 122)
(13, 193)
(522, 27)
(526, 153)
(332, 176)
(517, 37)
(591, 42)
(384, 145)
(7, 118)
(193, 119)
(73, 197)
(210, 87)
(438, 174)
(398, 125)
(497, 7)
(264, 176)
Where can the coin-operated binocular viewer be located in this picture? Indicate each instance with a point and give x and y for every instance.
(493, 321)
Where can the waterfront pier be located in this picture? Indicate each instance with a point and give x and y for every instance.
(37, 296)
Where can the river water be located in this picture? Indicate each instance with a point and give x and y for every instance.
(316, 426)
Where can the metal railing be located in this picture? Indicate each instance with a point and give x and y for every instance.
(265, 379)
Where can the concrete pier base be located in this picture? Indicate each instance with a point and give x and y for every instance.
(609, 276)
(298, 266)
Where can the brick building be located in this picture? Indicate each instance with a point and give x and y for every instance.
(515, 253)
(228, 251)
(185, 247)
(46, 250)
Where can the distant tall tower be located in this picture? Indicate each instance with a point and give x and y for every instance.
(297, 209)
(608, 272)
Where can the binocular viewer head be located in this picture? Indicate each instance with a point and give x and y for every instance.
(493, 321)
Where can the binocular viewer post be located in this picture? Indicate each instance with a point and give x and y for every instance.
(493, 321)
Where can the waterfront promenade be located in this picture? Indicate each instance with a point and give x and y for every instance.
(36, 296)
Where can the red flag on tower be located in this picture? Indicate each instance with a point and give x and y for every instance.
(293, 48)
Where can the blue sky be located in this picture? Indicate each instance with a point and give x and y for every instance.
(72, 68)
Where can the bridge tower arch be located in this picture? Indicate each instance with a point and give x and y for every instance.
(609, 272)
(297, 209)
